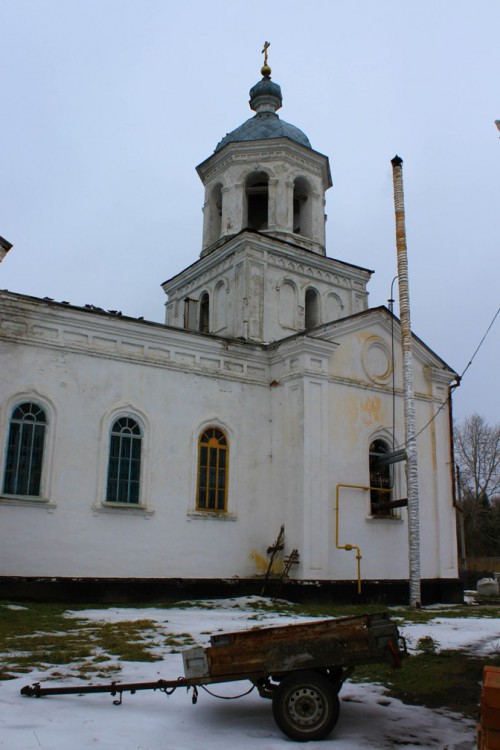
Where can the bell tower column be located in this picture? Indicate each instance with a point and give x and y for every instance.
(289, 188)
(318, 218)
(272, 204)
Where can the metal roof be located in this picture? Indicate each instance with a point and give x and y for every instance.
(262, 126)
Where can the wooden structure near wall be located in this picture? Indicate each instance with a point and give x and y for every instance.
(488, 730)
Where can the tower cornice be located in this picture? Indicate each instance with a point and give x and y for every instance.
(264, 150)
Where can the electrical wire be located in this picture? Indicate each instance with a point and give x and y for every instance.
(226, 697)
(481, 342)
(459, 380)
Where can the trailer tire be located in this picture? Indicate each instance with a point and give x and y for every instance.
(306, 706)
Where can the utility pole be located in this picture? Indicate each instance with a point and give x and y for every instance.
(409, 399)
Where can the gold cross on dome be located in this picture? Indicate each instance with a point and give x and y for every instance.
(266, 46)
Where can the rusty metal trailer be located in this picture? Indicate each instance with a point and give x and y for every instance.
(300, 667)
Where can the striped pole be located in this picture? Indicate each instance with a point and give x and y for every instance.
(409, 400)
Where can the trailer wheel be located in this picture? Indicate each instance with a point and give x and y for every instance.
(306, 706)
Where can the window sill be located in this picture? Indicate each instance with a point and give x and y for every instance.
(384, 519)
(123, 508)
(214, 515)
(25, 501)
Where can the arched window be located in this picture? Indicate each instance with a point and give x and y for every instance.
(219, 306)
(311, 317)
(124, 468)
(380, 477)
(257, 193)
(211, 494)
(333, 307)
(302, 208)
(204, 313)
(23, 468)
(288, 305)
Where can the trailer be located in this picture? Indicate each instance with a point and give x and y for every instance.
(300, 668)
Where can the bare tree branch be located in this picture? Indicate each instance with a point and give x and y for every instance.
(477, 448)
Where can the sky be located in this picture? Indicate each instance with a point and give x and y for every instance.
(109, 105)
(369, 717)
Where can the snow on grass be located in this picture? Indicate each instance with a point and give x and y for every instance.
(149, 720)
(200, 619)
(478, 636)
(14, 607)
(152, 721)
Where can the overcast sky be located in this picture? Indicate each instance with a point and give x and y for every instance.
(108, 106)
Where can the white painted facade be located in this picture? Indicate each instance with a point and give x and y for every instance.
(257, 286)
(226, 174)
(290, 365)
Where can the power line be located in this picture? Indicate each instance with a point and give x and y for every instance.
(459, 380)
(481, 342)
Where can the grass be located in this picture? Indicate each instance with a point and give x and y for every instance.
(40, 636)
(282, 607)
(447, 679)
(177, 642)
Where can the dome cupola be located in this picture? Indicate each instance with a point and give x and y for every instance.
(264, 176)
(265, 96)
(265, 100)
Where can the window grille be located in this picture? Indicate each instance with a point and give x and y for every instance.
(23, 469)
(381, 480)
(124, 468)
(212, 471)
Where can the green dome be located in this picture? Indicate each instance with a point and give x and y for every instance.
(265, 99)
(268, 89)
(262, 126)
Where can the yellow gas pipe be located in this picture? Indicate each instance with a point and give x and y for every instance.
(349, 547)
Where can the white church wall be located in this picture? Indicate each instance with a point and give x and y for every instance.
(254, 271)
(358, 417)
(362, 407)
(334, 435)
(73, 533)
(299, 419)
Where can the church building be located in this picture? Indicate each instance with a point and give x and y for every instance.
(249, 443)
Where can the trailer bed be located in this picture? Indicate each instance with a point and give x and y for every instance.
(300, 667)
(250, 654)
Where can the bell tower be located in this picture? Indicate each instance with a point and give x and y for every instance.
(263, 273)
(265, 176)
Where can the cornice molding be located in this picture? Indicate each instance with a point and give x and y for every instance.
(274, 149)
(382, 316)
(33, 323)
(276, 254)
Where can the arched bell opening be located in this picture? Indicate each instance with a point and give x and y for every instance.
(257, 200)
